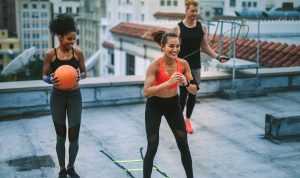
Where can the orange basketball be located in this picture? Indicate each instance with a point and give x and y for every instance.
(67, 76)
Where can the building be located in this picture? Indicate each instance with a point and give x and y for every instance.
(282, 3)
(8, 17)
(33, 18)
(211, 6)
(134, 49)
(159, 12)
(90, 14)
(9, 47)
(232, 6)
(65, 6)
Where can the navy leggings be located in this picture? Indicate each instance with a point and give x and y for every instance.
(157, 107)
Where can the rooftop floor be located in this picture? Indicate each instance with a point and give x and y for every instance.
(226, 143)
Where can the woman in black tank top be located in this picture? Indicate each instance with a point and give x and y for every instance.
(65, 102)
(193, 37)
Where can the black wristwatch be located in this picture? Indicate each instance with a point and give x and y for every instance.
(188, 84)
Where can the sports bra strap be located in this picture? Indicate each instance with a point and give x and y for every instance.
(55, 53)
(73, 52)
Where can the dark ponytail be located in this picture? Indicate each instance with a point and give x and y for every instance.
(161, 37)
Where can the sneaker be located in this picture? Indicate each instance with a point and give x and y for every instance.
(188, 125)
(71, 171)
(62, 174)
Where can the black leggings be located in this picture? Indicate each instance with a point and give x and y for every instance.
(169, 107)
(62, 104)
(188, 99)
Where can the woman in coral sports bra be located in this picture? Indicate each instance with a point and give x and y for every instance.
(163, 77)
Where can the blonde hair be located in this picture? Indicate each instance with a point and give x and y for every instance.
(189, 3)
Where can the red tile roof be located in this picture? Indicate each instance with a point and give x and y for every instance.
(169, 15)
(136, 30)
(271, 54)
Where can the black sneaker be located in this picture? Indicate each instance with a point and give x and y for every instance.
(62, 174)
(71, 171)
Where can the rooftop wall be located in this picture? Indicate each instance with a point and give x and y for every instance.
(18, 98)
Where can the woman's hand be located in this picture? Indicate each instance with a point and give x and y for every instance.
(174, 79)
(55, 80)
(183, 80)
(222, 59)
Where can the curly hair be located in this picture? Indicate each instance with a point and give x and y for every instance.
(161, 37)
(62, 24)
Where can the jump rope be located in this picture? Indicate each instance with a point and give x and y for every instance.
(237, 25)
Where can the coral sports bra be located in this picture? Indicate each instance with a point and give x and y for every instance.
(162, 76)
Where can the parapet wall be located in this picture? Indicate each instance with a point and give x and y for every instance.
(18, 98)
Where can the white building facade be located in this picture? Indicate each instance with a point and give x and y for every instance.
(134, 60)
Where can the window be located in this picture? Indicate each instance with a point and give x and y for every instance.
(108, 15)
(128, 17)
(232, 3)
(169, 3)
(77, 10)
(142, 17)
(35, 15)
(218, 11)
(112, 59)
(25, 14)
(243, 4)
(59, 9)
(34, 6)
(162, 2)
(69, 9)
(129, 64)
(254, 4)
(25, 6)
(43, 6)
(11, 46)
(44, 14)
(249, 4)
(175, 3)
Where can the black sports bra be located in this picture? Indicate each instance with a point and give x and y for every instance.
(58, 62)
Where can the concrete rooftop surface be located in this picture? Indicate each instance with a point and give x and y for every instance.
(226, 143)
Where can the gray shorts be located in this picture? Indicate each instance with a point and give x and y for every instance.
(196, 75)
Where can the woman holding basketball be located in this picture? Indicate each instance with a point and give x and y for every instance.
(163, 76)
(65, 102)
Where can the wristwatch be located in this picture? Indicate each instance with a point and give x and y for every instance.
(188, 83)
